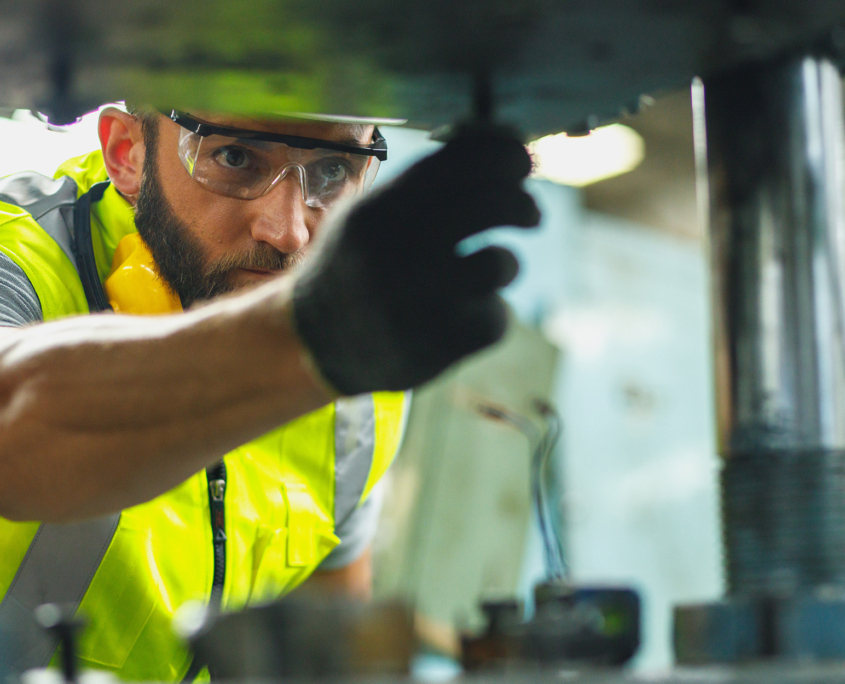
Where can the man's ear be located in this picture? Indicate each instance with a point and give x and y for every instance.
(122, 142)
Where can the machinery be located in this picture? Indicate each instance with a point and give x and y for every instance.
(553, 64)
(774, 141)
(770, 133)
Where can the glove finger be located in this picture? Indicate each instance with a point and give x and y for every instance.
(487, 156)
(477, 323)
(472, 160)
(486, 270)
(488, 208)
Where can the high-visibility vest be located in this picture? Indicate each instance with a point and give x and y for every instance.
(282, 495)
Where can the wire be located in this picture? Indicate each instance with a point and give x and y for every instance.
(542, 445)
(556, 564)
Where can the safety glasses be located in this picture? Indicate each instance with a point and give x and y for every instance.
(248, 164)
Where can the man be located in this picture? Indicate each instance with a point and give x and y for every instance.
(122, 420)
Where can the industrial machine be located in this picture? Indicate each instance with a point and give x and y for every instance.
(769, 129)
(774, 170)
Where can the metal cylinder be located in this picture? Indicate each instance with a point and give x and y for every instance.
(776, 185)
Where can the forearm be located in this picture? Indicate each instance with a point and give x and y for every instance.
(103, 412)
(353, 581)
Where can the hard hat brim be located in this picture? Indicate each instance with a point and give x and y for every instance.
(344, 119)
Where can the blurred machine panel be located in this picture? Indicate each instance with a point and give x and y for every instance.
(554, 64)
(458, 513)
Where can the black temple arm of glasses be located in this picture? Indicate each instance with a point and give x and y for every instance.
(378, 148)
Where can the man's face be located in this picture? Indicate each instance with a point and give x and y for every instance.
(207, 244)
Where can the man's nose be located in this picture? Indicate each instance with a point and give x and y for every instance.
(282, 222)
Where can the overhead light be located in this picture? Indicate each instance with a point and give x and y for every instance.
(580, 160)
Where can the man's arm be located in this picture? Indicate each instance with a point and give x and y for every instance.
(102, 412)
(354, 580)
(348, 569)
(98, 413)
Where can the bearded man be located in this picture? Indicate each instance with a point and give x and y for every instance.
(181, 445)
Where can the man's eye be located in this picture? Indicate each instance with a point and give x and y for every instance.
(334, 170)
(232, 157)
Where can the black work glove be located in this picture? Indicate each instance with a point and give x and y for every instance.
(385, 302)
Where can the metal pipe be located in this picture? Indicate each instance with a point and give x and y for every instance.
(774, 167)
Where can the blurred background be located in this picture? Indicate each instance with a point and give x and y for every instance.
(612, 327)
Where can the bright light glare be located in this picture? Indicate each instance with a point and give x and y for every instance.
(606, 152)
(28, 144)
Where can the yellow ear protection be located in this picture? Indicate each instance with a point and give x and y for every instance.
(134, 286)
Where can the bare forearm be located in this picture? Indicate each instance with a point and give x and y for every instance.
(103, 412)
(353, 581)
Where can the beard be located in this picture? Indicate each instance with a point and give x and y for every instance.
(183, 262)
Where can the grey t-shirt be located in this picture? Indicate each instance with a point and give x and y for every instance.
(19, 306)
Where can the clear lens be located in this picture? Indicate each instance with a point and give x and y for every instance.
(248, 169)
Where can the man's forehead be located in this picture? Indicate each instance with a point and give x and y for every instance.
(355, 134)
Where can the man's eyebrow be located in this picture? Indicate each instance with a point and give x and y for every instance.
(354, 142)
(346, 140)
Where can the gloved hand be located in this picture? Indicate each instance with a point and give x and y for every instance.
(385, 302)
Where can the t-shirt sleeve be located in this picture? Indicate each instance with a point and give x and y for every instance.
(356, 532)
(19, 303)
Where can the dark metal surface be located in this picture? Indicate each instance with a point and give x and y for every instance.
(776, 673)
(784, 521)
(305, 637)
(570, 624)
(553, 64)
(777, 221)
(774, 150)
(736, 630)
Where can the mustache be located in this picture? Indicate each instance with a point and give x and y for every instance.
(260, 257)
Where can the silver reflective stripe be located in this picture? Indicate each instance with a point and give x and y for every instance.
(354, 443)
(58, 568)
(49, 201)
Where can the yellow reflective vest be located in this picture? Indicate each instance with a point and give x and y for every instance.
(281, 495)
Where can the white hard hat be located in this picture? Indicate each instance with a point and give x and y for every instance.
(344, 119)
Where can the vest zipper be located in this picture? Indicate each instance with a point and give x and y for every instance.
(216, 475)
(216, 494)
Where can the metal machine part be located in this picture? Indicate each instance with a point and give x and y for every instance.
(775, 154)
(553, 65)
(314, 637)
(777, 218)
(586, 625)
(304, 636)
